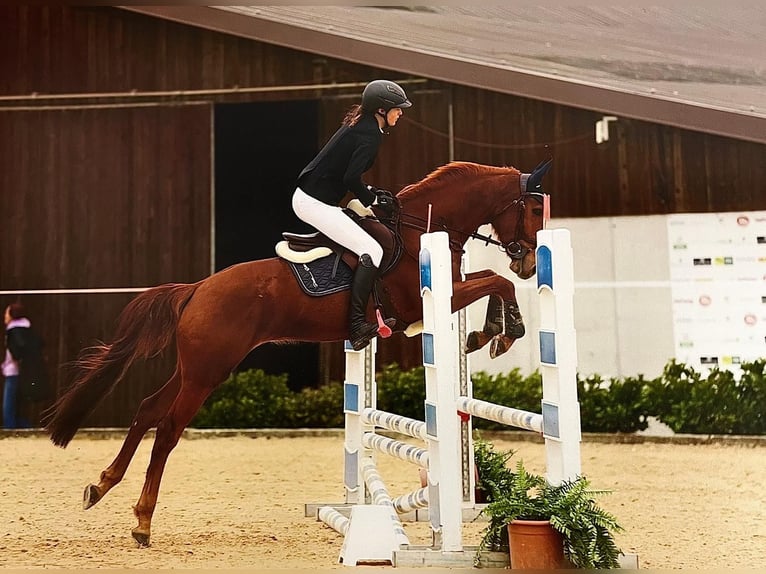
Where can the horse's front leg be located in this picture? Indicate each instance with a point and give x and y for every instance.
(504, 323)
(493, 325)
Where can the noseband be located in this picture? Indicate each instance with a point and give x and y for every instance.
(514, 249)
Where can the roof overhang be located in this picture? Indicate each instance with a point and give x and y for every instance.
(465, 71)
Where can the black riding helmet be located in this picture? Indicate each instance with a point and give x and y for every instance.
(383, 94)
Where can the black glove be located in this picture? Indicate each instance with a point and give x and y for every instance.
(386, 202)
(383, 193)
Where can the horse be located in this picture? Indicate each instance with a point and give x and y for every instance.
(217, 321)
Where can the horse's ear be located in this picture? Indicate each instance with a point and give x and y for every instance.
(535, 181)
(543, 166)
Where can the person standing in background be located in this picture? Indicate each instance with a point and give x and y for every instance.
(23, 368)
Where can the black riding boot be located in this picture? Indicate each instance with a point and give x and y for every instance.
(361, 331)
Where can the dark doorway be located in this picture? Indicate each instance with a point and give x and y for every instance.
(260, 148)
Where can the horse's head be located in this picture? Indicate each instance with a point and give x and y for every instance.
(517, 225)
(466, 195)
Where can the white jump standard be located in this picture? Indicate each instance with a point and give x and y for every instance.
(446, 405)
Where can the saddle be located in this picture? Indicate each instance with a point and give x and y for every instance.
(323, 267)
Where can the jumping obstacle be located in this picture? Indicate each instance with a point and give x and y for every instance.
(448, 455)
(373, 531)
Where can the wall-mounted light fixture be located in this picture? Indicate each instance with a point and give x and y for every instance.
(602, 128)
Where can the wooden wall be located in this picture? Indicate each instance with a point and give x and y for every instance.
(98, 199)
(115, 192)
(644, 168)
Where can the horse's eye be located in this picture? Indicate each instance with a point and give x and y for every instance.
(537, 211)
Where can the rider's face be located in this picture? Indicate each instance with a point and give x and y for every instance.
(393, 116)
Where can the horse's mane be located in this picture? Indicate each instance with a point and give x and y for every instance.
(451, 170)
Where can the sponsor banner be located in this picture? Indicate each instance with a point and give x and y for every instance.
(718, 279)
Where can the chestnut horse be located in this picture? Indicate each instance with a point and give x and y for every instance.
(217, 321)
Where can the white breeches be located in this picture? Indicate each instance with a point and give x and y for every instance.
(330, 220)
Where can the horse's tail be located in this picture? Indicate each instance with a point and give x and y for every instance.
(145, 327)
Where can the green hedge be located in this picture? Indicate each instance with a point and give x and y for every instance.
(253, 399)
(716, 404)
(681, 398)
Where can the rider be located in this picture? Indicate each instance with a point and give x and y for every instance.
(338, 168)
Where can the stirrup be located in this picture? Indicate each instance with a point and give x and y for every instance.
(384, 327)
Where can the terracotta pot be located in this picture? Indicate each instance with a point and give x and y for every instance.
(535, 545)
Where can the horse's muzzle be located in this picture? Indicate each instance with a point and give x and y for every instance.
(524, 268)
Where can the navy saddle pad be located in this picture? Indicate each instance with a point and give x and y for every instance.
(323, 276)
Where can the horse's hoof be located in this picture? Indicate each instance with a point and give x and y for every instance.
(475, 341)
(90, 497)
(472, 342)
(500, 344)
(141, 537)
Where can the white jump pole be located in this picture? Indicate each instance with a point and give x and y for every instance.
(558, 355)
(440, 360)
(412, 501)
(396, 448)
(398, 423)
(500, 414)
(333, 519)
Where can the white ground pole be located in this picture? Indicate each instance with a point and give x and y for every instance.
(333, 519)
(442, 373)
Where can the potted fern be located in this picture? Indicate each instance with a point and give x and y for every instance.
(524, 510)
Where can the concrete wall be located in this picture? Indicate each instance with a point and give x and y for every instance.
(623, 304)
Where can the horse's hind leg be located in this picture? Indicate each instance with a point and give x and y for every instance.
(150, 412)
(169, 430)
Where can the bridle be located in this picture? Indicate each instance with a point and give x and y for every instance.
(514, 249)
